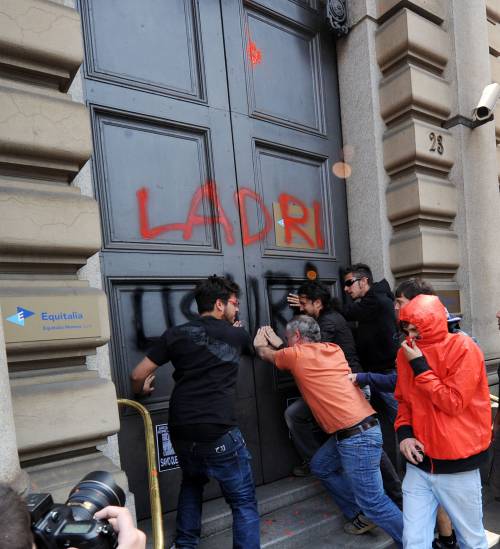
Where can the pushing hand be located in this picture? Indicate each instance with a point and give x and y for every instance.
(272, 337)
(148, 386)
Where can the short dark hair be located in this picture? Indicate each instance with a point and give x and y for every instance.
(314, 290)
(360, 270)
(412, 287)
(15, 522)
(209, 291)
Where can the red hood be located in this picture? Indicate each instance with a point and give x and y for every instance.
(429, 316)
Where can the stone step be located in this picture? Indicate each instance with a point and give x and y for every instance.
(271, 497)
(315, 522)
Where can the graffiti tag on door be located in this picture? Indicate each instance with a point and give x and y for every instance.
(293, 218)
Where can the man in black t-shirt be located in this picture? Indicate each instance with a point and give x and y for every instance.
(205, 354)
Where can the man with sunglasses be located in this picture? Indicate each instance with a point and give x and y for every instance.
(372, 308)
(205, 354)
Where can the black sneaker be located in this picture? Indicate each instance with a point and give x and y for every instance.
(448, 542)
(359, 525)
(301, 470)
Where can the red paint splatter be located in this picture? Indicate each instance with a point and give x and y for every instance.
(254, 53)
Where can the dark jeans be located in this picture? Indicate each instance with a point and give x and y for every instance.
(350, 471)
(304, 431)
(227, 460)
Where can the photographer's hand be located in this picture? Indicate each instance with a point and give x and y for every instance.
(120, 519)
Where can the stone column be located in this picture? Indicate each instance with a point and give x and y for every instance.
(476, 171)
(10, 469)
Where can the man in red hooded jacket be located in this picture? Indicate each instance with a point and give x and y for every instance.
(443, 425)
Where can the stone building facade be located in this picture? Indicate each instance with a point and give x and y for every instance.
(422, 199)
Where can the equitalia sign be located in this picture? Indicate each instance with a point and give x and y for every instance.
(56, 317)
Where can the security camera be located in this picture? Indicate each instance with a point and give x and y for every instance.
(487, 102)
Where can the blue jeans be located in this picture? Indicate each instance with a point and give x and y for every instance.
(227, 460)
(458, 493)
(350, 471)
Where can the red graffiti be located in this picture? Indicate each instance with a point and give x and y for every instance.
(207, 191)
(292, 224)
(240, 197)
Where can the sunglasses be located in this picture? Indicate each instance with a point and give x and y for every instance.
(351, 281)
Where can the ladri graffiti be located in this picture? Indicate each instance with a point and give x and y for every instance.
(294, 212)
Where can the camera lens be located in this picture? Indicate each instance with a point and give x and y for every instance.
(94, 492)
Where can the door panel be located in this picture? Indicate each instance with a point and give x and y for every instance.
(286, 131)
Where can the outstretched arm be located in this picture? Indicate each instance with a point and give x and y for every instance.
(262, 346)
(142, 377)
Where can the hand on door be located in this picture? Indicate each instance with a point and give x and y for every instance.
(271, 336)
(293, 300)
(148, 387)
(260, 339)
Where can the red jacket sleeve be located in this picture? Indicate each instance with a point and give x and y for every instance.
(403, 423)
(453, 393)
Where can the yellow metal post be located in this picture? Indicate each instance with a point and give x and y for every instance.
(154, 487)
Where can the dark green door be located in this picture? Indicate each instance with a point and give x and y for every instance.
(215, 128)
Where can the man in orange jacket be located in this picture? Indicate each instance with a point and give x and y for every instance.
(443, 425)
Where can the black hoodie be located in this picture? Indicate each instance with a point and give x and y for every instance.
(376, 337)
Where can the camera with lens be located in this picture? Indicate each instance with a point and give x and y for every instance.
(72, 524)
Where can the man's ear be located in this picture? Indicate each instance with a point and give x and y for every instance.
(219, 304)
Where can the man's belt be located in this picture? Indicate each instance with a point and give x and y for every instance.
(366, 424)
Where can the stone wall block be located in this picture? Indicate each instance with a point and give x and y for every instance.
(42, 135)
(493, 10)
(421, 197)
(435, 10)
(415, 144)
(411, 89)
(495, 68)
(409, 36)
(59, 226)
(40, 39)
(424, 251)
(494, 38)
(60, 476)
(85, 413)
(53, 330)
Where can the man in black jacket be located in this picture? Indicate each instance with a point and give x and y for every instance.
(377, 338)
